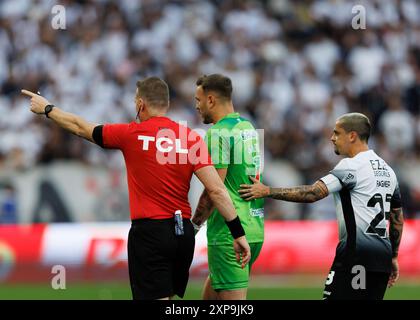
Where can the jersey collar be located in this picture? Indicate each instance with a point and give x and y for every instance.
(155, 118)
(233, 115)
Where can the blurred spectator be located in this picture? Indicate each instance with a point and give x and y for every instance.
(8, 204)
(412, 95)
(398, 127)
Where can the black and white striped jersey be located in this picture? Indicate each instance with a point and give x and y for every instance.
(365, 189)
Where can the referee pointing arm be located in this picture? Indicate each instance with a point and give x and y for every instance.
(161, 238)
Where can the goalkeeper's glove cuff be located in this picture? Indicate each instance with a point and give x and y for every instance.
(235, 228)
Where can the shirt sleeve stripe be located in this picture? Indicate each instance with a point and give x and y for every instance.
(98, 136)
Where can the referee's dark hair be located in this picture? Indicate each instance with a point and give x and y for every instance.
(217, 83)
(357, 122)
(155, 91)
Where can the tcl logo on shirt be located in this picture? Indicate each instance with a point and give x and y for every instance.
(160, 142)
(158, 145)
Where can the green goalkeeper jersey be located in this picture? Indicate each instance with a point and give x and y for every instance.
(233, 143)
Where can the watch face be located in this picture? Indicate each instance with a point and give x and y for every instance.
(48, 109)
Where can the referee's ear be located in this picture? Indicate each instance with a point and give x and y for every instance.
(97, 135)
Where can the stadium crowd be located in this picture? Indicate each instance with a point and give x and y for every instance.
(295, 66)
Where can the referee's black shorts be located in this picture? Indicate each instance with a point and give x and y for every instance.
(158, 260)
(342, 284)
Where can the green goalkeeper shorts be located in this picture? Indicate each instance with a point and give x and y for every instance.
(225, 272)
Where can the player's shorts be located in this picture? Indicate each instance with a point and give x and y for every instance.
(158, 260)
(345, 285)
(225, 272)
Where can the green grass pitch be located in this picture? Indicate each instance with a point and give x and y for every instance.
(261, 288)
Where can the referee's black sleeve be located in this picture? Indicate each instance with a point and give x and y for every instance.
(97, 135)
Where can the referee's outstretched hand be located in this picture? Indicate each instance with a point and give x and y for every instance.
(242, 250)
(38, 103)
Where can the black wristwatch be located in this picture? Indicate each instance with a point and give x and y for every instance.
(48, 109)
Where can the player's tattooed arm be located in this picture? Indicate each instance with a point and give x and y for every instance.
(306, 193)
(396, 222)
(204, 209)
(395, 229)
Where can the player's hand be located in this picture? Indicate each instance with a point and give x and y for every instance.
(254, 191)
(242, 251)
(196, 226)
(395, 273)
(38, 103)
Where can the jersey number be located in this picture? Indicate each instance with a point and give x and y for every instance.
(372, 229)
(330, 278)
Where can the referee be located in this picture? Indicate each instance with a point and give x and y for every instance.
(367, 195)
(161, 238)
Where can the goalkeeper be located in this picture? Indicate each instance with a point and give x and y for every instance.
(233, 144)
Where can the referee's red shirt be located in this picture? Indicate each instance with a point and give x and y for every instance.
(161, 157)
